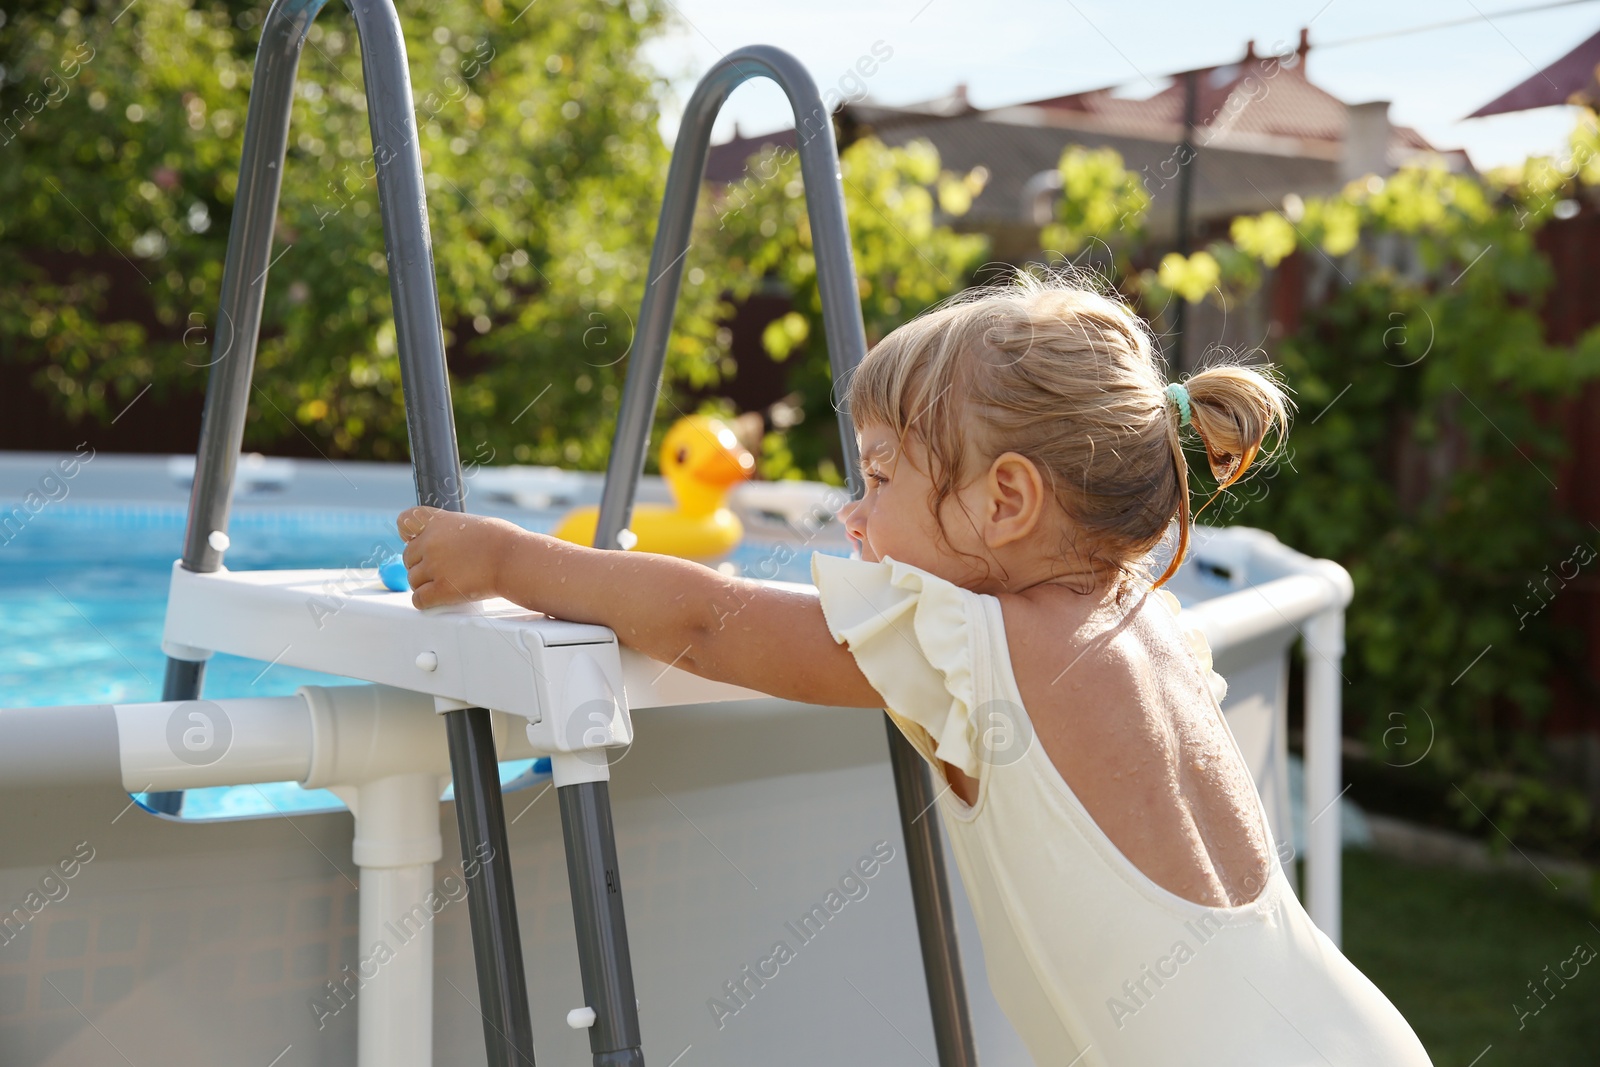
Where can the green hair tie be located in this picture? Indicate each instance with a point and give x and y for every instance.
(1179, 394)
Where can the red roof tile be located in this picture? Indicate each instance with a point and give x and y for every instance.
(1260, 95)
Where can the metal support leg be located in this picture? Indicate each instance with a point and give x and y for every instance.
(603, 959)
(396, 845)
(491, 905)
(847, 344)
(430, 422)
(930, 896)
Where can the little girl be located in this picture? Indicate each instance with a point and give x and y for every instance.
(1022, 458)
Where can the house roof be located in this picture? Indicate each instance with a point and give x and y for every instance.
(1258, 94)
(1249, 104)
(1262, 132)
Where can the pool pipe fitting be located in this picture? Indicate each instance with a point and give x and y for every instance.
(381, 750)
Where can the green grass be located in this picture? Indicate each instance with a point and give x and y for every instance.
(1455, 950)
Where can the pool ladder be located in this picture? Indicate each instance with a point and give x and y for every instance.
(585, 807)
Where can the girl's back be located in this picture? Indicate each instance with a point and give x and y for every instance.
(1127, 717)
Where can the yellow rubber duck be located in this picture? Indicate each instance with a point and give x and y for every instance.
(701, 459)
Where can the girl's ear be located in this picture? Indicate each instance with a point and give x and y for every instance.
(1015, 499)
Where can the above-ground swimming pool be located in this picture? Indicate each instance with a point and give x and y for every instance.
(735, 813)
(84, 578)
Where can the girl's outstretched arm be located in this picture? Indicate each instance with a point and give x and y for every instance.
(681, 613)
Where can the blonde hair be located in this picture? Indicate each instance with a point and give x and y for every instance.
(1071, 379)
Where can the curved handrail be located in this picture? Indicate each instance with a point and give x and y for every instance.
(244, 287)
(844, 331)
(244, 277)
(419, 329)
(430, 424)
(846, 338)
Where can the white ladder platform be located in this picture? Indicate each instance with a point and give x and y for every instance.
(346, 622)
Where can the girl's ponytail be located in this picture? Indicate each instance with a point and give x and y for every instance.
(1232, 409)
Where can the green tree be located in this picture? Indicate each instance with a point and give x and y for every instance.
(897, 201)
(544, 171)
(1100, 201)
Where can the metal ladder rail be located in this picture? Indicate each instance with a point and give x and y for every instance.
(846, 340)
(508, 1034)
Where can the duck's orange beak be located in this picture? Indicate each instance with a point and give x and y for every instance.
(724, 467)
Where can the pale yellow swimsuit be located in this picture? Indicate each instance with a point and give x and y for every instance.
(1093, 963)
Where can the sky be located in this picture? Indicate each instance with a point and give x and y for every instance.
(1017, 50)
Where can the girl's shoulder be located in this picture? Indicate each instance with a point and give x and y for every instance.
(913, 637)
(1137, 641)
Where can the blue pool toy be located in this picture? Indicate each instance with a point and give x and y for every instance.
(393, 573)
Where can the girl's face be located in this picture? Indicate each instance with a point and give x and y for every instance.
(894, 517)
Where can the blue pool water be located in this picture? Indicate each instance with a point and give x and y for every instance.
(83, 592)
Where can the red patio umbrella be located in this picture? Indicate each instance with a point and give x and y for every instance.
(1569, 80)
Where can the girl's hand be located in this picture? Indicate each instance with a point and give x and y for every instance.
(452, 557)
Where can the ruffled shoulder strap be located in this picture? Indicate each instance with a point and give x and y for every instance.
(912, 636)
(1197, 641)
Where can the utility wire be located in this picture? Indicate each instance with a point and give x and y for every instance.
(1486, 16)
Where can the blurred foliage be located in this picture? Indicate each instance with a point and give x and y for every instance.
(544, 169)
(538, 201)
(1099, 200)
(906, 261)
(1427, 467)
(1429, 470)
